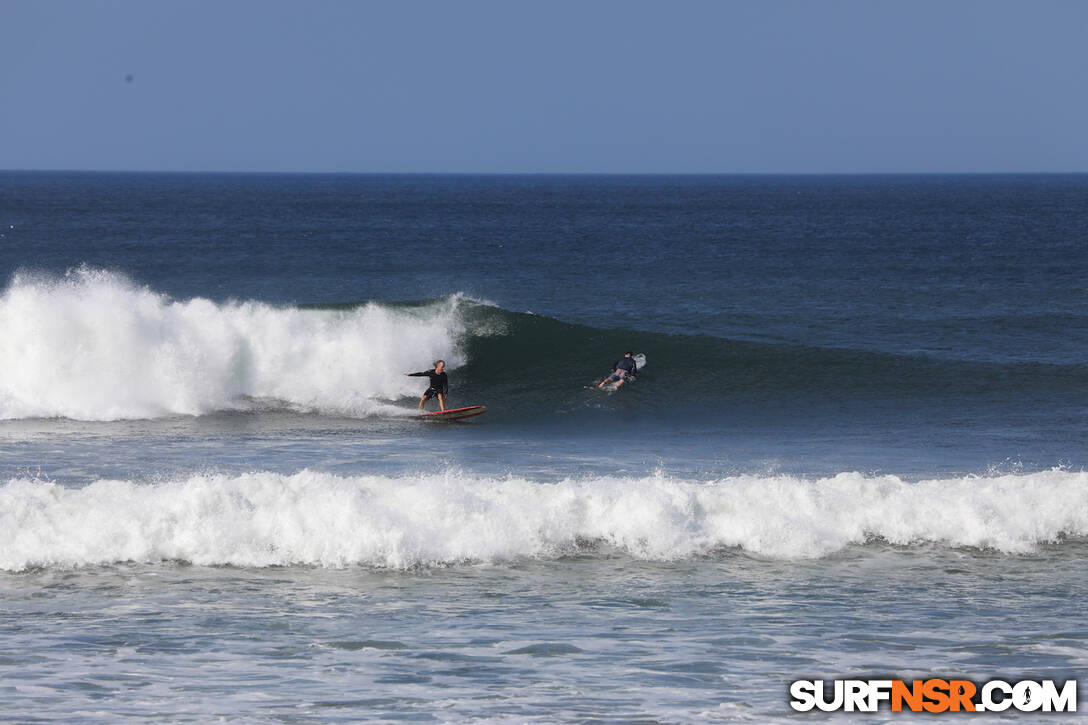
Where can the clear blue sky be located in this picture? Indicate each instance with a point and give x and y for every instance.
(550, 86)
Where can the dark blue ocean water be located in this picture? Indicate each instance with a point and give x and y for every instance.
(866, 401)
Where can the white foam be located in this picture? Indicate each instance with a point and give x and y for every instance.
(311, 518)
(94, 346)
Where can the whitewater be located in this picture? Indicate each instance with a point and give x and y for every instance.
(310, 518)
(92, 345)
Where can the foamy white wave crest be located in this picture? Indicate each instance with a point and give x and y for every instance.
(94, 346)
(311, 518)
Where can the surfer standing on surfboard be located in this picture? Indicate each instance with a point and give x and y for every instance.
(440, 384)
(622, 370)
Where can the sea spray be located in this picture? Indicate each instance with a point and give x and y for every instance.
(313, 518)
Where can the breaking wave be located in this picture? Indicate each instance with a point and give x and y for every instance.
(311, 518)
(94, 346)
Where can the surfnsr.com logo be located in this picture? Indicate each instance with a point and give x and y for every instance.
(933, 695)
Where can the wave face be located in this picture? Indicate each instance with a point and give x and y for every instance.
(537, 358)
(309, 518)
(94, 346)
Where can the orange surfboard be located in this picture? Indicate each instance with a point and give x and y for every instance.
(454, 413)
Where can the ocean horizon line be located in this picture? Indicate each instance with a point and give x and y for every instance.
(550, 174)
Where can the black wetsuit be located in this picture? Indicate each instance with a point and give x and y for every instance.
(626, 363)
(440, 384)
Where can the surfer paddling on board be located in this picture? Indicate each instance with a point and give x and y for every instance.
(440, 384)
(623, 370)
